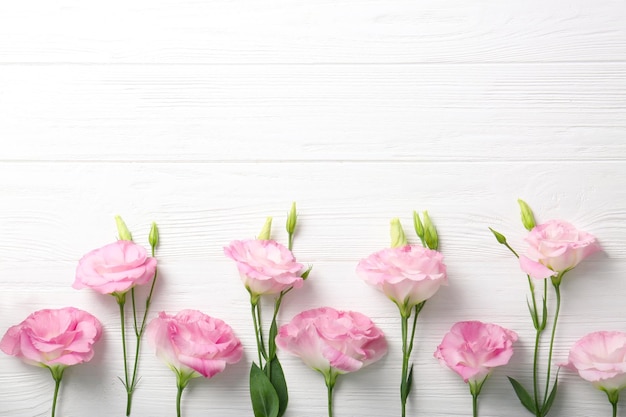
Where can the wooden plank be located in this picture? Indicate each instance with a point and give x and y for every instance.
(301, 113)
(271, 32)
(57, 210)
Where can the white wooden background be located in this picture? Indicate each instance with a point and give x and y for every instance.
(208, 115)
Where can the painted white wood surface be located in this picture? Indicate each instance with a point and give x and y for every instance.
(207, 116)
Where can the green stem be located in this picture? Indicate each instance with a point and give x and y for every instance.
(405, 361)
(259, 342)
(407, 348)
(475, 405)
(121, 301)
(178, 397)
(330, 380)
(418, 308)
(613, 396)
(535, 378)
(132, 296)
(139, 332)
(539, 328)
(57, 375)
(475, 388)
(557, 290)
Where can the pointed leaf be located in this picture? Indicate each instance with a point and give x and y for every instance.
(272, 340)
(546, 407)
(277, 379)
(523, 396)
(405, 387)
(533, 315)
(262, 393)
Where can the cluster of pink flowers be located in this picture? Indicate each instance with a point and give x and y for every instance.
(329, 341)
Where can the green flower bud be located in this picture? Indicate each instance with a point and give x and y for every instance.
(153, 237)
(398, 239)
(430, 233)
(528, 219)
(499, 237)
(122, 230)
(266, 230)
(292, 219)
(417, 224)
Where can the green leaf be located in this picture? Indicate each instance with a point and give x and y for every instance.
(533, 315)
(546, 407)
(405, 387)
(272, 341)
(523, 396)
(277, 379)
(262, 393)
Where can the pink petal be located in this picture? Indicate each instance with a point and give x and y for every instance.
(535, 269)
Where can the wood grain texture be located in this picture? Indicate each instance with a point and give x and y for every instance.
(311, 113)
(208, 116)
(281, 31)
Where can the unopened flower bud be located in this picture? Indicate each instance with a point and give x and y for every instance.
(122, 230)
(266, 230)
(398, 239)
(499, 236)
(417, 224)
(153, 237)
(430, 233)
(292, 219)
(528, 219)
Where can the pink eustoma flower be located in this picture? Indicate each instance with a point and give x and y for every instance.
(53, 337)
(408, 275)
(265, 266)
(555, 247)
(115, 268)
(331, 341)
(600, 358)
(472, 349)
(193, 343)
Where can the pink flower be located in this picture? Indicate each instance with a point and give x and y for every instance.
(265, 266)
(193, 343)
(472, 348)
(600, 358)
(556, 247)
(331, 341)
(53, 338)
(115, 268)
(408, 274)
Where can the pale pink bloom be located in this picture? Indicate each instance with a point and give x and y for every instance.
(555, 247)
(472, 349)
(407, 275)
(115, 268)
(53, 337)
(193, 342)
(600, 358)
(265, 266)
(329, 340)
